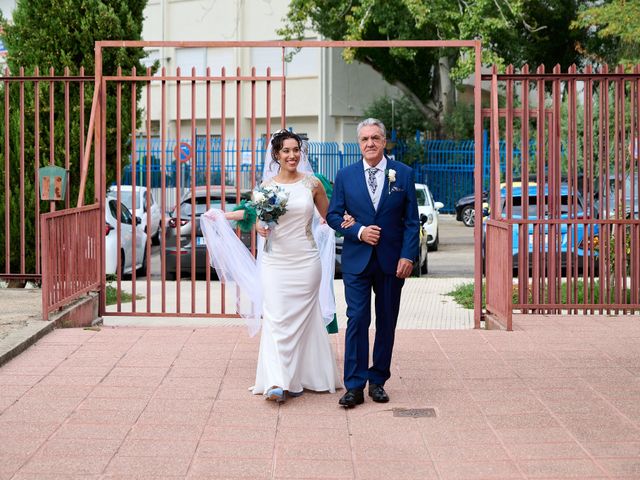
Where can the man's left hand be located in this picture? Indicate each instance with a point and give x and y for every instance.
(405, 267)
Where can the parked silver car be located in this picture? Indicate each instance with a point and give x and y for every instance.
(124, 250)
(184, 227)
(142, 210)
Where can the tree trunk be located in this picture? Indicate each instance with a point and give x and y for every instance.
(447, 91)
(430, 110)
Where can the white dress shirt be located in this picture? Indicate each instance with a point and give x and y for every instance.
(381, 167)
(375, 197)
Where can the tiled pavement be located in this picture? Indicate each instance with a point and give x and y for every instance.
(558, 398)
(425, 304)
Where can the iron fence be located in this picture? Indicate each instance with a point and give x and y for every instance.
(447, 166)
(71, 260)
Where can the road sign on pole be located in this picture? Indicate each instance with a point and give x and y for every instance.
(182, 152)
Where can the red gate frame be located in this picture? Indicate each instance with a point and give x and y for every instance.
(98, 120)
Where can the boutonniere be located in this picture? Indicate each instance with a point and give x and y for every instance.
(391, 175)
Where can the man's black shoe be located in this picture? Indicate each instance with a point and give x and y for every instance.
(352, 398)
(377, 393)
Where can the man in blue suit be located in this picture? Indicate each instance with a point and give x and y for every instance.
(378, 254)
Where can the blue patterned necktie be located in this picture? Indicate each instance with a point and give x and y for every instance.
(373, 182)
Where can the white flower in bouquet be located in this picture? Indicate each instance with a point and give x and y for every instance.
(270, 203)
(282, 198)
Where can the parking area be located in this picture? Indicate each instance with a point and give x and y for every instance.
(425, 304)
(454, 257)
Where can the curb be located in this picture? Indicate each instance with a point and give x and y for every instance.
(16, 343)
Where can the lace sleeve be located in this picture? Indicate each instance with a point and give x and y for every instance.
(311, 182)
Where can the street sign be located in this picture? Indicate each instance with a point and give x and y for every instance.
(182, 152)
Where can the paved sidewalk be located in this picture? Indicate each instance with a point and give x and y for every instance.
(20, 320)
(557, 398)
(424, 305)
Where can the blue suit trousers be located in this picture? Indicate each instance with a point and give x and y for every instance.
(358, 288)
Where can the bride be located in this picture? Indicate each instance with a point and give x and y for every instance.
(295, 350)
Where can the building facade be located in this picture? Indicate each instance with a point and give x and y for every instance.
(325, 96)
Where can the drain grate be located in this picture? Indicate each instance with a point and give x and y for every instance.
(414, 412)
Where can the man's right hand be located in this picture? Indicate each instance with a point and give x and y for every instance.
(371, 234)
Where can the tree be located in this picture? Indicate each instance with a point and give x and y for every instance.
(400, 115)
(614, 31)
(513, 31)
(62, 34)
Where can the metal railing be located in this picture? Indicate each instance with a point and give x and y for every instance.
(445, 165)
(44, 122)
(71, 255)
(570, 204)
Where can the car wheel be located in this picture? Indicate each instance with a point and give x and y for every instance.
(424, 268)
(416, 271)
(123, 267)
(142, 271)
(122, 259)
(170, 276)
(434, 246)
(468, 216)
(155, 240)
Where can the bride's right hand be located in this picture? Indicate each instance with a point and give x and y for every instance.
(348, 221)
(262, 231)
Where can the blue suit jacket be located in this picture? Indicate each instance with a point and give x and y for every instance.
(397, 216)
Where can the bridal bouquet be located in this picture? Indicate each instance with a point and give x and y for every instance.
(270, 203)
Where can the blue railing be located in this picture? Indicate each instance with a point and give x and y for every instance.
(447, 166)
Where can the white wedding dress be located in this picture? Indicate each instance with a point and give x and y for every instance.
(295, 351)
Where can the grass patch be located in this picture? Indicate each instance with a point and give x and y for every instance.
(125, 297)
(463, 294)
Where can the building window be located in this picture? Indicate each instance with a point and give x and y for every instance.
(261, 58)
(305, 63)
(221, 57)
(187, 58)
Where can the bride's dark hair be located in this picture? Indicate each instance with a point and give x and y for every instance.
(277, 142)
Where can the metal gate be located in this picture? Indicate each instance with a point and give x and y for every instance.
(567, 210)
(211, 107)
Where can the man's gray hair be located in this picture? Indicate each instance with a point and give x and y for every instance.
(371, 121)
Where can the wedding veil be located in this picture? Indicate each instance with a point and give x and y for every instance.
(234, 263)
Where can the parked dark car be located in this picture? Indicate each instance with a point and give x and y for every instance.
(185, 227)
(466, 210)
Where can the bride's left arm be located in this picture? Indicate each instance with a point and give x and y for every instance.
(320, 199)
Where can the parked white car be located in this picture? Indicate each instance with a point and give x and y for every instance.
(125, 249)
(430, 209)
(141, 208)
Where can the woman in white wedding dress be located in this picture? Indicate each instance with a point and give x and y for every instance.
(295, 350)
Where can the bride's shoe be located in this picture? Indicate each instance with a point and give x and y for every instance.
(275, 394)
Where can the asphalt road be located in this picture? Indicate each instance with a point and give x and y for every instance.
(454, 257)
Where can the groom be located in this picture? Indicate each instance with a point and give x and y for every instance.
(378, 253)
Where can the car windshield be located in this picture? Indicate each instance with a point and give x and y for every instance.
(215, 202)
(423, 198)
(126, 198)
(532, 207)
(125, 214)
